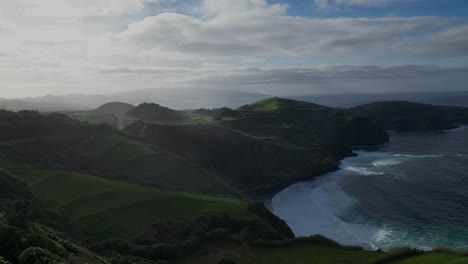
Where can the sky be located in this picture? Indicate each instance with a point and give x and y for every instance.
(276, 47)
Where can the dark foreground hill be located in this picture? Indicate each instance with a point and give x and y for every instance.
(406, 116)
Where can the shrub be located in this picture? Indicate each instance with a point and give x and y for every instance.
(4, 261)
(37, 255)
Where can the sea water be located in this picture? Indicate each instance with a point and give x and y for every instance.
(412, 191)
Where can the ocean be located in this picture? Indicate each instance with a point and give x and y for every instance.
(412, 191)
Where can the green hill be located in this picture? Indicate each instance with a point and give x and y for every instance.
(399, 115)
(31, 124)
(32, 233)
(240, 160)
(114, 108)
(274, 141)
(156, 114)
(118, 157)
(79, 193)
(302, 124)
(280, 104)
(117, 209)
(113, 114)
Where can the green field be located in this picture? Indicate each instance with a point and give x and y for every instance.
(303, 253)
(434, 258)
(139, 162)
(117, 209)
(116, 157)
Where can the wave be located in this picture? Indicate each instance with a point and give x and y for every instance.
(460, 128)
(321, 215)
(323, 206)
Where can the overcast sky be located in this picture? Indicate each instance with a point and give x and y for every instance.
(274, 47)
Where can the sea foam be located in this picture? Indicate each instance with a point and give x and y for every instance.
(318, 207)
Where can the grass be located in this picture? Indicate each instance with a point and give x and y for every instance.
(276, 104)
(304, 253)
(118, 209)
(296, 253)
(434, 258)
(139, 162)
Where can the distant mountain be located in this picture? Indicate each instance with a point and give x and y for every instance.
(52, 103)
(408, 116)
(173, 98)
(355, 99)
(114, 108)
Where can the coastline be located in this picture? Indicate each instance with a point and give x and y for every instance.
(394, 181)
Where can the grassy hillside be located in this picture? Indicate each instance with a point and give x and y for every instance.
(31, 124)
(398, 115)
(240, 160)
(309, 250)
(279, 104)
(117, 209)
(274, 141)
(302, 124)
(113, 114)
(30, 232)
(114, 108)
(118, 157)
(156, 114)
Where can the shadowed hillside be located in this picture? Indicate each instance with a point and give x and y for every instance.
(241, 161)
(156, 113)
(269, 142)
(406, 116)
(31, 124)
(303, 124)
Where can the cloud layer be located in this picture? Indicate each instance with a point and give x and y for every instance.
(62, 46)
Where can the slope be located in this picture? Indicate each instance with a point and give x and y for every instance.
(117, 209)
(118, 157)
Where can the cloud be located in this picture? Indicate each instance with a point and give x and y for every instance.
(58, 46)
(335, 73)
(75, 8)
(339, 79)
(266, 31)
(329, 3)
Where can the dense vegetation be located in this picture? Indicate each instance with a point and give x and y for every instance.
(409, 116)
